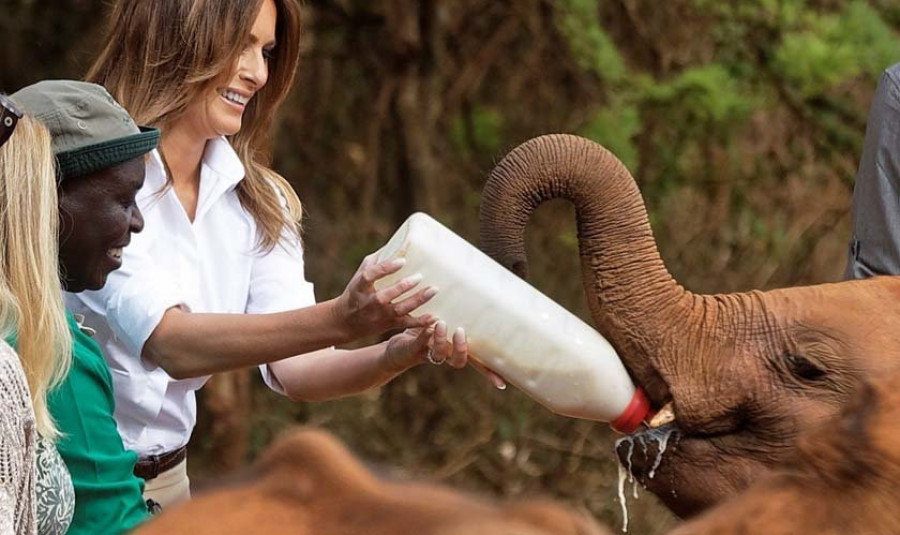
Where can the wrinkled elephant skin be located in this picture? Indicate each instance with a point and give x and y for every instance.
(842, 477)
(746, 372)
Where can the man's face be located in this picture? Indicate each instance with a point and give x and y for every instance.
(97, 216)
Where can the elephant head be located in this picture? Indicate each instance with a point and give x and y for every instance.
(744, 372)
(841, 478)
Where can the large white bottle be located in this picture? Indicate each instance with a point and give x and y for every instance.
(515, 330)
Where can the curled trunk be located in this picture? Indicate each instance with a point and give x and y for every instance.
(633, 299)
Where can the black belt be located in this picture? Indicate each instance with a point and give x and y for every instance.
(150, 467)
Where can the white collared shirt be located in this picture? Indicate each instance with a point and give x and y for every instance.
(211, 265)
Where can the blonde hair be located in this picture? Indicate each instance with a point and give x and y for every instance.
(31, 302)
(161, 56)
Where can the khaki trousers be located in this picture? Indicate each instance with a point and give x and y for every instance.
(169, 488)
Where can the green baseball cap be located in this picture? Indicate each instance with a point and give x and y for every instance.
(90, 130)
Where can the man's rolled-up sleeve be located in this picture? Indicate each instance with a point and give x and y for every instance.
(875, 243)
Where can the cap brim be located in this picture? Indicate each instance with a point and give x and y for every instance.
(100, 156)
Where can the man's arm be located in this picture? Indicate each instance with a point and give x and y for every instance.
(875, 244)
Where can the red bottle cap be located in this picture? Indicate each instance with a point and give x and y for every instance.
(637, 411)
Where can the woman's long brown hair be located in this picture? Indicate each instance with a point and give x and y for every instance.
(161, 55)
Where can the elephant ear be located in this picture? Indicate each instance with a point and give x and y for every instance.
(315, 463)
(634, 301)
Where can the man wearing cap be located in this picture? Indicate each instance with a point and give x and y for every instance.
(100, 153)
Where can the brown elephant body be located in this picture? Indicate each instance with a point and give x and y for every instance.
(308, 483)
(745, 372)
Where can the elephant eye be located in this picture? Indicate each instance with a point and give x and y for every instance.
(803, 368)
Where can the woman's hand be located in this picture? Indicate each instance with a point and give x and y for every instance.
(415, 346)
(365, 311)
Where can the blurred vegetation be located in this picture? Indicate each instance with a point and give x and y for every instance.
(742, 122)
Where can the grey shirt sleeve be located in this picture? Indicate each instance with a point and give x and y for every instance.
(875, 243)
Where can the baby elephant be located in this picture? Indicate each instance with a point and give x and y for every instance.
(308, 483)
(844, 477)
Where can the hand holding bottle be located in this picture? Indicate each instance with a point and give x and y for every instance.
(364, 311)
(415, 346)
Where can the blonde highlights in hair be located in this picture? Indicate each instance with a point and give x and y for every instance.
(161, 56)
(31, 302)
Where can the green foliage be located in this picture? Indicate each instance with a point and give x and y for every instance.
(831, 49)
(874, 42)
(705, 98)
(782, 13)
(479, 131)
(595, 52)
(773, 13)
(615, 127)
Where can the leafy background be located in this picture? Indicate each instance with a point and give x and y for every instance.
(741, 121)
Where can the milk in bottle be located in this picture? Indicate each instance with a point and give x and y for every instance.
(515, 330)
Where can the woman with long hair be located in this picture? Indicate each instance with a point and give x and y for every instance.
(215, 282)
(33, 477)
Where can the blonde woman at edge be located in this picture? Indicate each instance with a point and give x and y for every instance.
(215, 282)
(36, 494)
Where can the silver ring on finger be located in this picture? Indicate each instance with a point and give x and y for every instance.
(429, 356)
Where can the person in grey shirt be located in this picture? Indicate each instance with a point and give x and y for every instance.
(875, 243)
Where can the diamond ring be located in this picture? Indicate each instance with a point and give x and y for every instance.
(429, 356)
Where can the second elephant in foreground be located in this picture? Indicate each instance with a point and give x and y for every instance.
(745, 372)
(842, 478)
(308, 483)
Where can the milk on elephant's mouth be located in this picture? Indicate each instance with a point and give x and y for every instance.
(661, 437)
(515, 330)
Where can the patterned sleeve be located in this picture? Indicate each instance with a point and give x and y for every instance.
(17, 443)
(55, 494)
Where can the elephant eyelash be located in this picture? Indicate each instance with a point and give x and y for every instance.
(803, 368)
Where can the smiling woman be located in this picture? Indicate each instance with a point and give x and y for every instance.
(215, 282)
(198, 91)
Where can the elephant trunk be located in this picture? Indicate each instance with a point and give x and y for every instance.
(634, 301)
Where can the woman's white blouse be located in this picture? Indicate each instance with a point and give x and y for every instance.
(210, 265)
